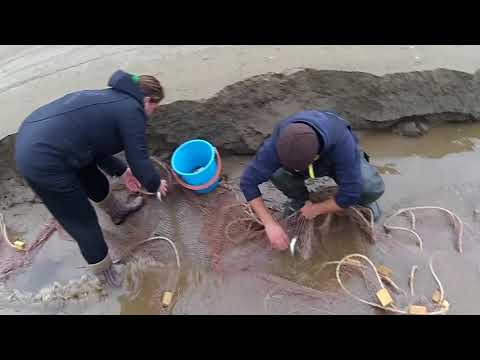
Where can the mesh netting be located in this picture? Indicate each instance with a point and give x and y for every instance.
(217, 231)
(13, 260)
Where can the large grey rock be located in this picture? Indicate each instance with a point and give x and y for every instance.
(241, 115)
(407, 128)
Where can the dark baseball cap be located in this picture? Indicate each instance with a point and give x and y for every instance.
(297, 146)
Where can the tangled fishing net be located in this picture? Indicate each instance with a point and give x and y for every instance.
(219, 232)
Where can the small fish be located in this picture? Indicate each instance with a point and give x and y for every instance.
(292, 246)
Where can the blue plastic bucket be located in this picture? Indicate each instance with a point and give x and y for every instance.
(194, 162)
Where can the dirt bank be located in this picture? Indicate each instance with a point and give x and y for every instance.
(240, 116)
(38, 74)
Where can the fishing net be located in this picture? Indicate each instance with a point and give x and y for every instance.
(220, 234)
(13, 260)
(217, 231)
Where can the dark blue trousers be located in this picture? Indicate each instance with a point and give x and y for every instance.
(73, 210)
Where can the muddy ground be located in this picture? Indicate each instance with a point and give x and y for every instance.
(416, 172)
(437, 168)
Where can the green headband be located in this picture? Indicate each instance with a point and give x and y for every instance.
(136, 79)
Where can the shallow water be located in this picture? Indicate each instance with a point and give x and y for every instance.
(439, 169)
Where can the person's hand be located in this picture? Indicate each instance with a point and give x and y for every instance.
(131, 181)
(277, 236)
(163, 189)
(310, 210)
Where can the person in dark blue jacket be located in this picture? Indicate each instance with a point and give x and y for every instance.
(62, 148)
(311, 144)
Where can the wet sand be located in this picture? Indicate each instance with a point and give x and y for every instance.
(30, 76)
(438, 169)
(416, 173)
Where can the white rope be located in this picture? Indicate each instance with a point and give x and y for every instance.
(347, 261)
(337, 272)
(419, 239)
(3, 231)
(439, 283)
(412, 279)
(172, 244)
(457, 223)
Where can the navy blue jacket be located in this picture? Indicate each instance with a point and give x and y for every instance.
(84, 128)
(339, 157)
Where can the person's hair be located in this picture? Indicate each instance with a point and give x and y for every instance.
(151, 87)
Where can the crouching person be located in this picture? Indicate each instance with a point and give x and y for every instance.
(311, 144)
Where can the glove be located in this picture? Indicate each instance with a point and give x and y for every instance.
(131, 181)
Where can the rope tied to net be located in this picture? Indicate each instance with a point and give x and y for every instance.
(412, 279)
(49, 228)
(3, 230)
(456, 221)
(348, 260)
(137, 272)
(458, 226)
(131, 249)
(357, 264)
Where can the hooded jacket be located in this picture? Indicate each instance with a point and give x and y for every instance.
(84, 128)
(339, 157)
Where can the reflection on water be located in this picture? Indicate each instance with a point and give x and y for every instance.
(440, 168)
(439, 142)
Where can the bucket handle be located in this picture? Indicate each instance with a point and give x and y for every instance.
(212, 181)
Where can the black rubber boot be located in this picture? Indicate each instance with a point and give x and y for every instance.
(293, 187)
(117, 210)
(292, 206)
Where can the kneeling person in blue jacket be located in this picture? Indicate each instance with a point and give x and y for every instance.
(305, 144)
(61, 147)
